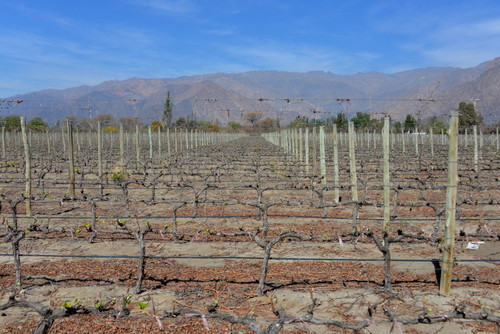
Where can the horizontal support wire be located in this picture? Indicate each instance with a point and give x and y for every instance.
(395, 220)
(243, 258)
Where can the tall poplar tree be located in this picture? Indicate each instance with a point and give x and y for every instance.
(167, 111)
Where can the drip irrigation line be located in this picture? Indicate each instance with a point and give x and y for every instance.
(215, 189)
(400, 205)
(248, 216)
(243, 258)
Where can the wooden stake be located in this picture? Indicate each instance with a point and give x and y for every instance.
(314, 151)
(336, 180)
(122, 149)
(4, 149)
(306, 147)
(352, 160)
(322, 155)
(159, 142)
(71, 159)
(137, 148)
(498, 142)
(451, 202)
(99, 151)
(432, 142)
(387, 186)
(27, 158)
(150, 135)
(476, 154)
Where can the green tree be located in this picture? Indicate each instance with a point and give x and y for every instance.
(234, 127)
(204, 125)
(468, 115)
(398, 126)
(167, 111)
(37, 124)
(12, 123)
(298, 122)
(341, 121)
(410, 123)
(436, 125)
(361, 120)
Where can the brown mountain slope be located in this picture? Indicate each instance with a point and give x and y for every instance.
(227, 97)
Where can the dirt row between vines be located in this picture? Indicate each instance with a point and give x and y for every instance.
(205, 272)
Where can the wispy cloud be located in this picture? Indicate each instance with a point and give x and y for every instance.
(220, 32)
(32, 60)
(298, 58)
(464, 45)
(176, 7)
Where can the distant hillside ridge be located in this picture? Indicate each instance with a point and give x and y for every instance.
(224, 98)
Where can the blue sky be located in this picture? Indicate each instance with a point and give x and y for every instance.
(61, 44)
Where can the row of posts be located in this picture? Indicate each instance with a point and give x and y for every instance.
(181, 140)
(297, 144)
(166, 141)
(291, 146)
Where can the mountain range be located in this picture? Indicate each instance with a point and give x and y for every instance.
(223, 98)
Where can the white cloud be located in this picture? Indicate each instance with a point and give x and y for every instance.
(465, 45)
(220, 32)
(176, 7)
(298, 58)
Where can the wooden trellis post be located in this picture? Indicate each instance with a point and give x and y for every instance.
(322, 155)
(122, 149)
(27, 158)
(159, 141)
(451, 202)
(71, 159)
(476, 154)
(498, 142)
(306, 147)
(99, 151)
(352, 160)
(169, 146)
(432, 141)
(4, 149)
(47, 136)
(403, 140)
(137, 148)
(62, 139)
(387, 186)
(336, 179)
(150, 135)
(301, 143)
(314, 151)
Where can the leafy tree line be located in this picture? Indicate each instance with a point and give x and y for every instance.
(13, 123)
(362, 121)
(468, 117)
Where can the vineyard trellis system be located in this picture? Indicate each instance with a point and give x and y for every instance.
(302, 230)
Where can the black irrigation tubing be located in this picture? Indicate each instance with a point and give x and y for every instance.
(201, 257)
(163, 202)
(248, 216)
(396, 221)
(299, 178)
(109, 188)
(401, 205)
